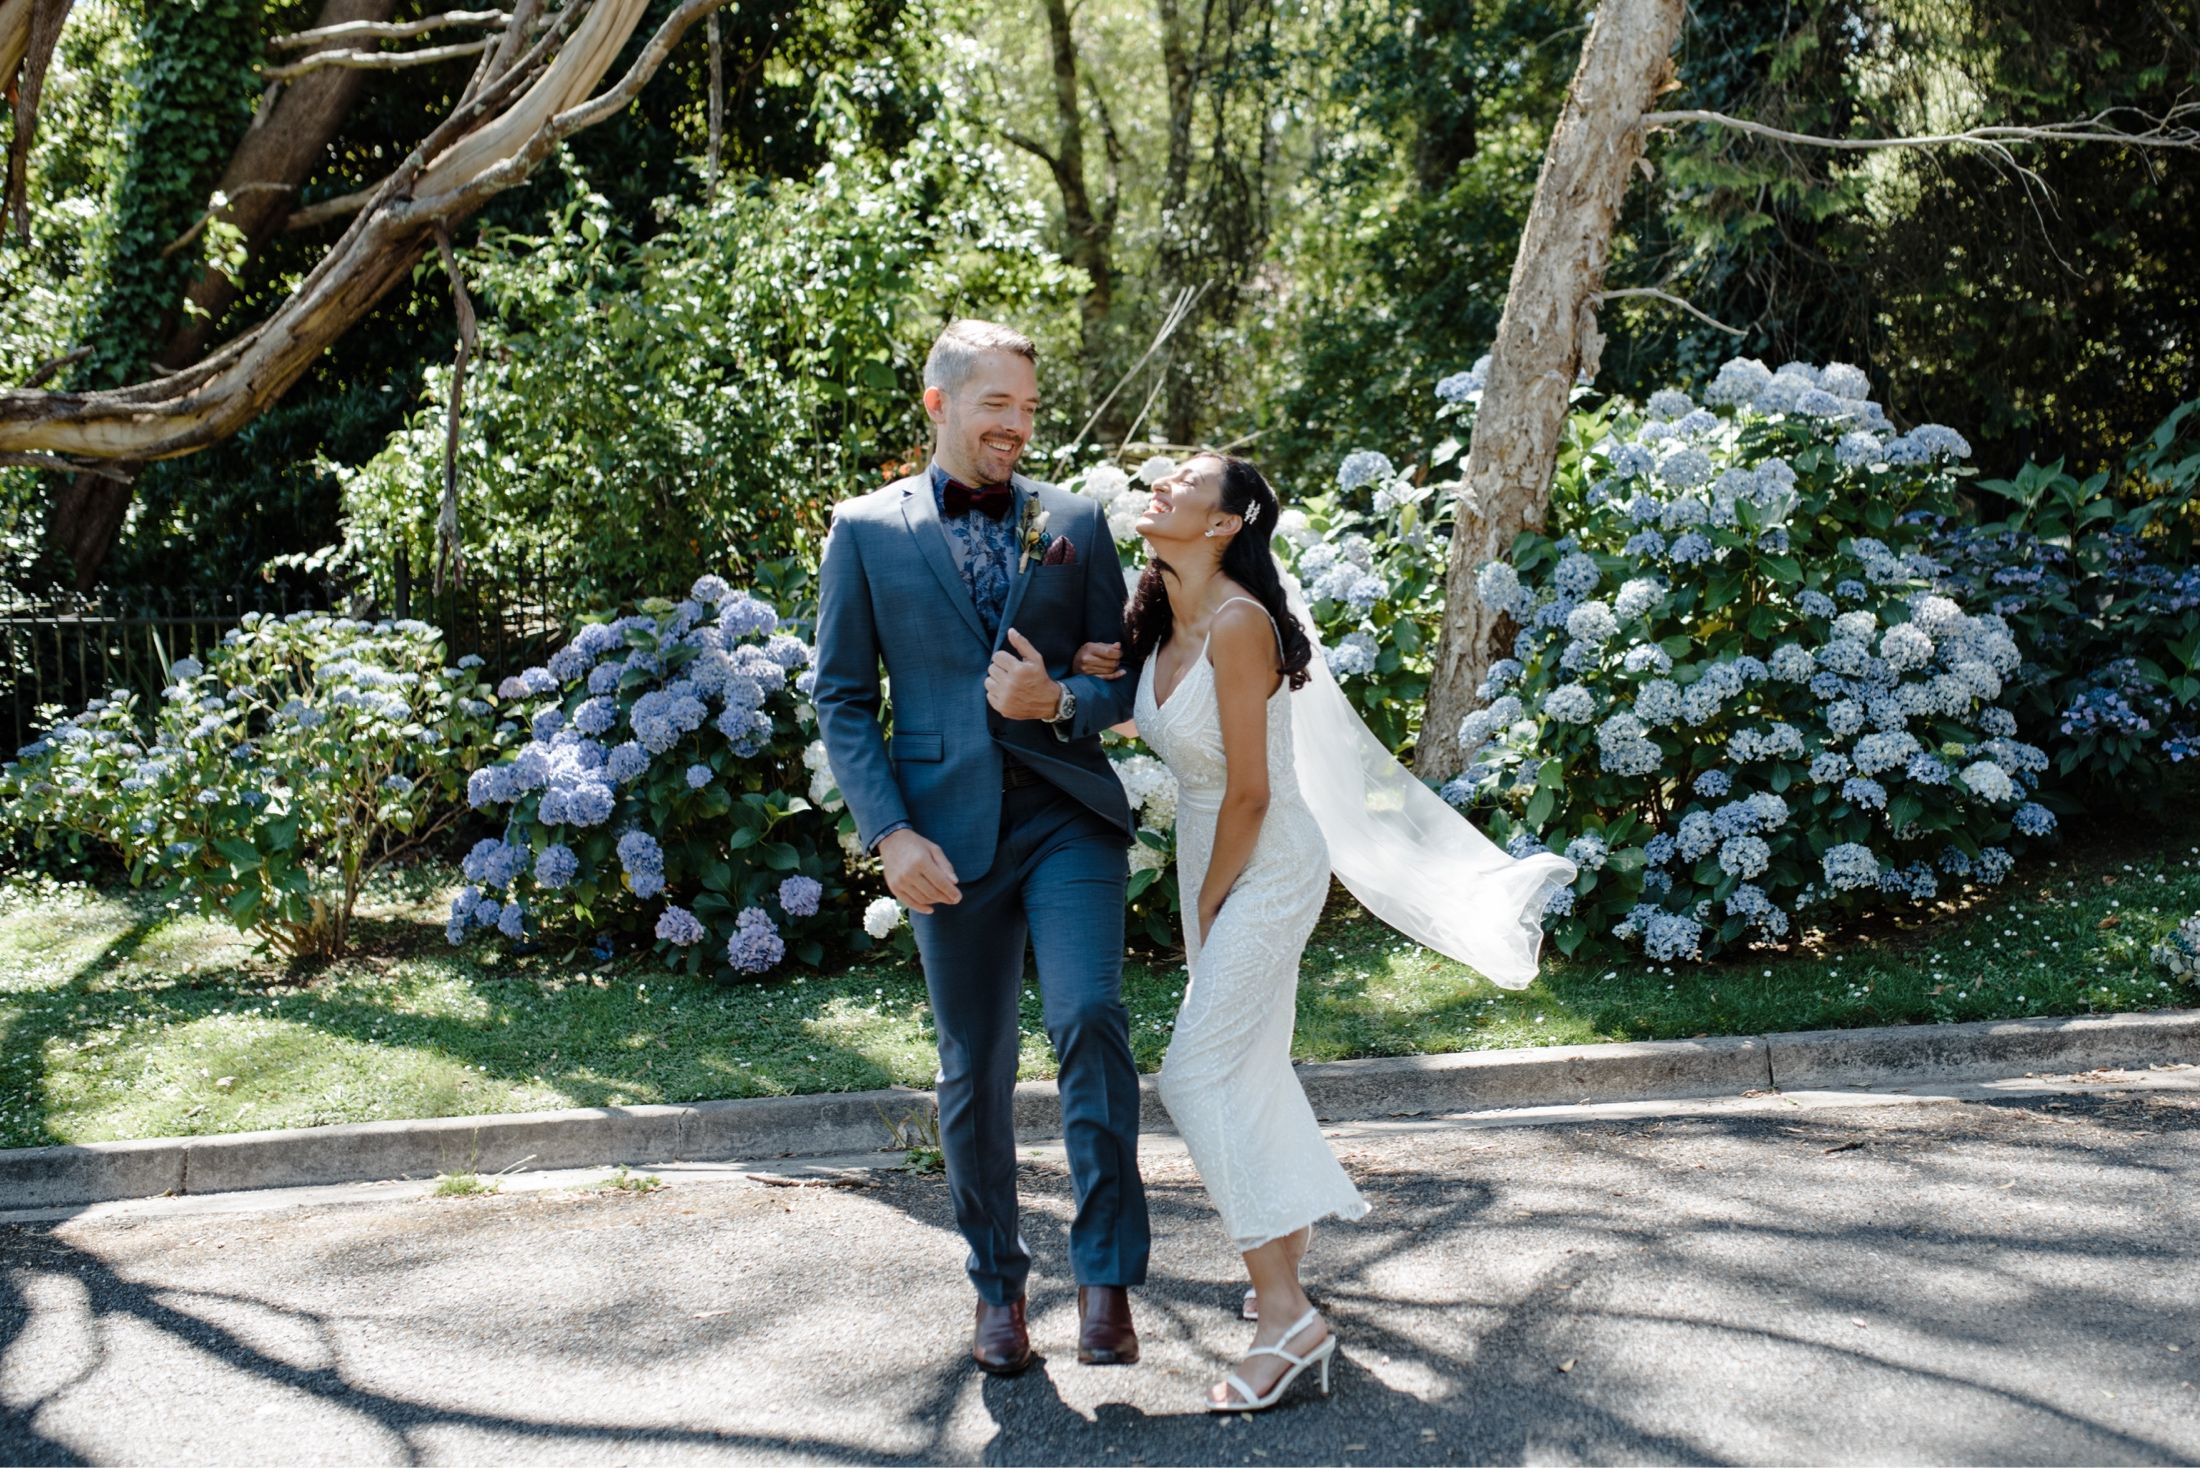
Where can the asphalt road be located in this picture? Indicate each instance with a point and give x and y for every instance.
(2009, 1280)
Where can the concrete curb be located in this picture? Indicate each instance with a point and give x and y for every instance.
(865, 1121)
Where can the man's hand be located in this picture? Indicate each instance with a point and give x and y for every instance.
(917, 872)
(1018, 686)
(1099, 660)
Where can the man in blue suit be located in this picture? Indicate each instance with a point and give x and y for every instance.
(1000, 823)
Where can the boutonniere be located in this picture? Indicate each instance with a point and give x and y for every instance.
(1035, 535)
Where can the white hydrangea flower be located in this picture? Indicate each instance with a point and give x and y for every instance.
(1988, 781)
(1106, 483)
(1156, 469)
(1123, 515)
(1906, 647)
(881, 917)
(822, 783)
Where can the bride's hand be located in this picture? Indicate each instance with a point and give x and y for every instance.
(1099, 660)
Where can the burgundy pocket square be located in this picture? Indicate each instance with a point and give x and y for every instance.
(1062, 553)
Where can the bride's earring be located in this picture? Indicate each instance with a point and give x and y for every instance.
(1212, 532)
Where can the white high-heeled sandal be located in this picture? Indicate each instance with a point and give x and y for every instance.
(1251, 1403)
(1250, 1309)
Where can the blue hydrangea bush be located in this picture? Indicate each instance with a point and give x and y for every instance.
(268, 783)
(1736, 700)
(1370, 553)
(2100, 579)
(660, 793)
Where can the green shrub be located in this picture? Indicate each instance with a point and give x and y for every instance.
(269, 783)
(2100, 581)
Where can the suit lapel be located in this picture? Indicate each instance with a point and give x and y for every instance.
(923, 518)
(1018, 579)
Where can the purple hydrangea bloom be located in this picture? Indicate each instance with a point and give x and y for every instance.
(800, 895)
(679, 927)
(755, 946)
(555, 865)
(627, 761)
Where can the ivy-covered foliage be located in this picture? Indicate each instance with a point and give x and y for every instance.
(1736, 701)
(304, 753)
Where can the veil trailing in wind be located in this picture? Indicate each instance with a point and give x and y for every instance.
(1407, 856)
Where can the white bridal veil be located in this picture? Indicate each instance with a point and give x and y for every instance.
(1407, 856)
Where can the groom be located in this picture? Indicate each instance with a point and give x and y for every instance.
(997, 816)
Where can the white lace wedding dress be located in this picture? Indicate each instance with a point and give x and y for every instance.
(1227, 1079)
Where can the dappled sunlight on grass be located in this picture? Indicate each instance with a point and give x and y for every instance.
(119, 1018)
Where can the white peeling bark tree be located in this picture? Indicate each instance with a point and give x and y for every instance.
(1548, 331)
(534, 88)
(1546, 336)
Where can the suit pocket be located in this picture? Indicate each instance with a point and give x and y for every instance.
(917, 747)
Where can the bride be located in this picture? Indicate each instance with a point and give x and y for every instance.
(1279, 784)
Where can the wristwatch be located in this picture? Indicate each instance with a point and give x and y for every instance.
(1065, 711)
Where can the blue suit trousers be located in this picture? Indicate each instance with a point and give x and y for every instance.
(1056, 886)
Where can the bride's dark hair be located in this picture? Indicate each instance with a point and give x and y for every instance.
(1247, 560)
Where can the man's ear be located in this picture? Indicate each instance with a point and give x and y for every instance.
(935, 404)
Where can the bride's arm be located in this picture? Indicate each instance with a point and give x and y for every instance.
(1243, 651)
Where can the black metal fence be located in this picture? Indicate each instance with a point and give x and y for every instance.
(59, 651)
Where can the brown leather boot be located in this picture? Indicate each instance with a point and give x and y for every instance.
(1104, 1333)
(1001, 1344)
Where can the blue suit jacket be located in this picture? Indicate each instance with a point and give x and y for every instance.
(889, 592)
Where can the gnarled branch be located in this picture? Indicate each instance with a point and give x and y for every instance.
(1653, 293)
(389, 30)
(377, 60)
(2170, 130)
(29, 31)
(493, 143)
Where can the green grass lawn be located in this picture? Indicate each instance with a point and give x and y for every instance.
(120, 1019)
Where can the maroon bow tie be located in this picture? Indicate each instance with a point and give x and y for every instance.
(991, 500)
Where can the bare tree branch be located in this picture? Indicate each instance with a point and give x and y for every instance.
(1032, 146)
(1653, 293)
(2170, 130)
(221, 202)
(376, 60)
(717, 100)
(450, 558)
(29, 31)
(61, 466)
(389, 30)
(314, 215)
(45, 370)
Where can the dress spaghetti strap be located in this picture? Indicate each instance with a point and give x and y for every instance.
(1264, 612)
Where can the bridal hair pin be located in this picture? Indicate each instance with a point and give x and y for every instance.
(1252, 513)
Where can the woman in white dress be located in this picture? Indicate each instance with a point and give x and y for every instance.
(1220, 654)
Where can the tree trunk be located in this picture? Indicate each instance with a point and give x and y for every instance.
(278, 153)
(287, 140)
(1547, 334)
(1088, 229)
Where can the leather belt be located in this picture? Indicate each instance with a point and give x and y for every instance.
(1016, 777)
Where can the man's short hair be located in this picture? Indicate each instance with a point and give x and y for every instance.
(956, 352)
